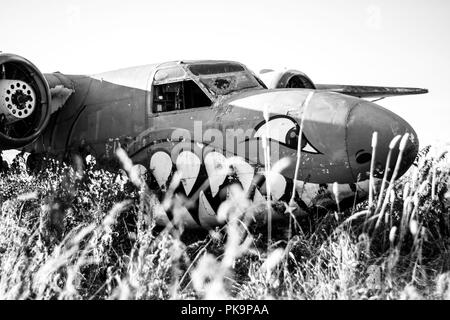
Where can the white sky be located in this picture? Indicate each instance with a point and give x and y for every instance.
(393, 43)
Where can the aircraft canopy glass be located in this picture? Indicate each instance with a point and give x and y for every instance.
(224, 78)
(214, 68)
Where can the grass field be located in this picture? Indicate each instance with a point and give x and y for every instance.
(88, 234)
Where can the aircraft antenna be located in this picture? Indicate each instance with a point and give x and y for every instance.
(378, 99)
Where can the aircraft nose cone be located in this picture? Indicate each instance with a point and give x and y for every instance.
(364, 119)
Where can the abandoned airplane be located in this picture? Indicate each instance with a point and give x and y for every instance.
(216, 123)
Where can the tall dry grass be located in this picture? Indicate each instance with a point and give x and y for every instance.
(89, 234)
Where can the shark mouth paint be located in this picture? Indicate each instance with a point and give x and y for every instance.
(208, 183)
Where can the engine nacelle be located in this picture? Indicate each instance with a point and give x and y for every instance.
(285, 79)
(24, 102)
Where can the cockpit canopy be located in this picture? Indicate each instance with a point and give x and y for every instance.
(224, 77)
(189, 85)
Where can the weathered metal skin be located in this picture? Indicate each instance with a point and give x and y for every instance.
(216, 145)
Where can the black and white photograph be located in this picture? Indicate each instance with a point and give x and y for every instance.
(236, 151)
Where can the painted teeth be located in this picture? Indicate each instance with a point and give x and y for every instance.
(217, 170)
(181, 215)
(206, 213)
(217, 167)
(277, 185)
(244, 171)
(188, 164)
(159, 171)
(258, 197)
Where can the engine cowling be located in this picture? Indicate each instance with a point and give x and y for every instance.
(285, 79)
(24, 102)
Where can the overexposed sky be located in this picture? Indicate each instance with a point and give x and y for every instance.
(393, 43)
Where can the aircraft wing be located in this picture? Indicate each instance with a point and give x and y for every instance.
(370, 91)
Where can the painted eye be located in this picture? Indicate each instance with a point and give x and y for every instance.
(286, 131)
(308, 147)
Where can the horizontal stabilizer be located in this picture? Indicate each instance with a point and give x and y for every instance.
(370, 91)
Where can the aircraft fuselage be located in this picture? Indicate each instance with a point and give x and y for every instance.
(217, 124)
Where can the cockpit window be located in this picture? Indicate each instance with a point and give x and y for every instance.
(178, 96)
(224, 78)
(223, 84)
(214, 68)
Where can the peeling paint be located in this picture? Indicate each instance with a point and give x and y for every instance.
(60, 95)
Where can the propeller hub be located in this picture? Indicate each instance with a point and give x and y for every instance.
(19, 99)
